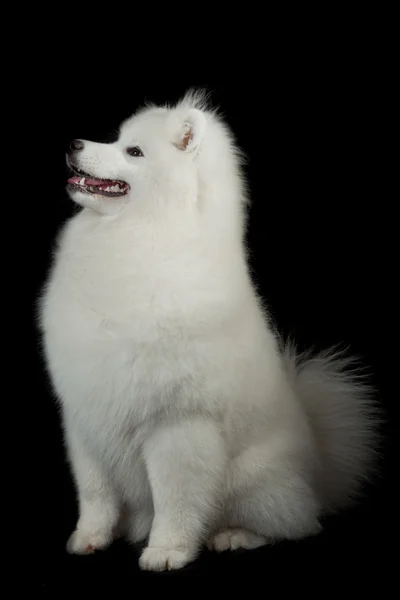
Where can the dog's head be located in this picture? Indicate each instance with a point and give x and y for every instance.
(153, 160)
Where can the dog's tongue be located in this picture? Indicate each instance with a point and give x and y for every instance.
(89, 181)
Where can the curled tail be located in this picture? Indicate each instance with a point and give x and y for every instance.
(344, 419)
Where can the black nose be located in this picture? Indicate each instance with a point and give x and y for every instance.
(76, 145)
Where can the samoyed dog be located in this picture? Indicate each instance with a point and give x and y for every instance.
(187, 422)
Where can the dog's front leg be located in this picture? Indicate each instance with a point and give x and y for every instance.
(185, 463)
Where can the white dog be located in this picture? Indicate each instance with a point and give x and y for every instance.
(185, 422)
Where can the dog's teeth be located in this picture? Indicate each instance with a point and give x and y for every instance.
(82, 181)
(107, 189)
(117, 188)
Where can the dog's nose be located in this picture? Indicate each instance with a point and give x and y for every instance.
(76, 145)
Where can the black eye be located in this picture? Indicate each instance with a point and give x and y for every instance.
(135, 151)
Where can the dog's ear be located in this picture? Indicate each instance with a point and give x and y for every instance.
(192, 132)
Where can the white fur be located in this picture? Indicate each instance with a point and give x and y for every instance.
(184, 422)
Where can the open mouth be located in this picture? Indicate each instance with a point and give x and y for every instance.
(86, 183)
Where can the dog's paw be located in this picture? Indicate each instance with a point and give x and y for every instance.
(234, 539)
(162, 559)
(83, 542)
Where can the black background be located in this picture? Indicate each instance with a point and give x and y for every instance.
(322, 249)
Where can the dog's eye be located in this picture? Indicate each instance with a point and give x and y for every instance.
(135, 151)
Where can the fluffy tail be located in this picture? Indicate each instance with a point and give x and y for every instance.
(344, 418)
